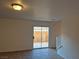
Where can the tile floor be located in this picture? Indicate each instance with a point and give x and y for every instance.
(34, 54)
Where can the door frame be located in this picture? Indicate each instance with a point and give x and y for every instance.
(41, 37)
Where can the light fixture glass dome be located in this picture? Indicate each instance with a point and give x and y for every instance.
(16, 6)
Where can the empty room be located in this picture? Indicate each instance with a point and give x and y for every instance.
(39, 29)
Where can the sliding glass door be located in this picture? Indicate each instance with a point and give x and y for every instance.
(41, 35)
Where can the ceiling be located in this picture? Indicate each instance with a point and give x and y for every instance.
(44, 10)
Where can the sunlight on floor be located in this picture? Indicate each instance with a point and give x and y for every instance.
(40, 45)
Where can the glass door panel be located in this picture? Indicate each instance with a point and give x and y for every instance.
(37, 37)
(44, 36)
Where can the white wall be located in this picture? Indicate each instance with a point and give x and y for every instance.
(56, 31)
(71, 37)
(15, 35)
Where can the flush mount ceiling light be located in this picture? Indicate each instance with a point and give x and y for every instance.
(17, 6)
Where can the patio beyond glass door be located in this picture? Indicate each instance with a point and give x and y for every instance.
(41, 35)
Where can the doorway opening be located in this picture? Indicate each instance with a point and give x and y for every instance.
(40, 37)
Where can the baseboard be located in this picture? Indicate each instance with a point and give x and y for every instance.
(40, 48)
(25, 50)
(17, 51)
